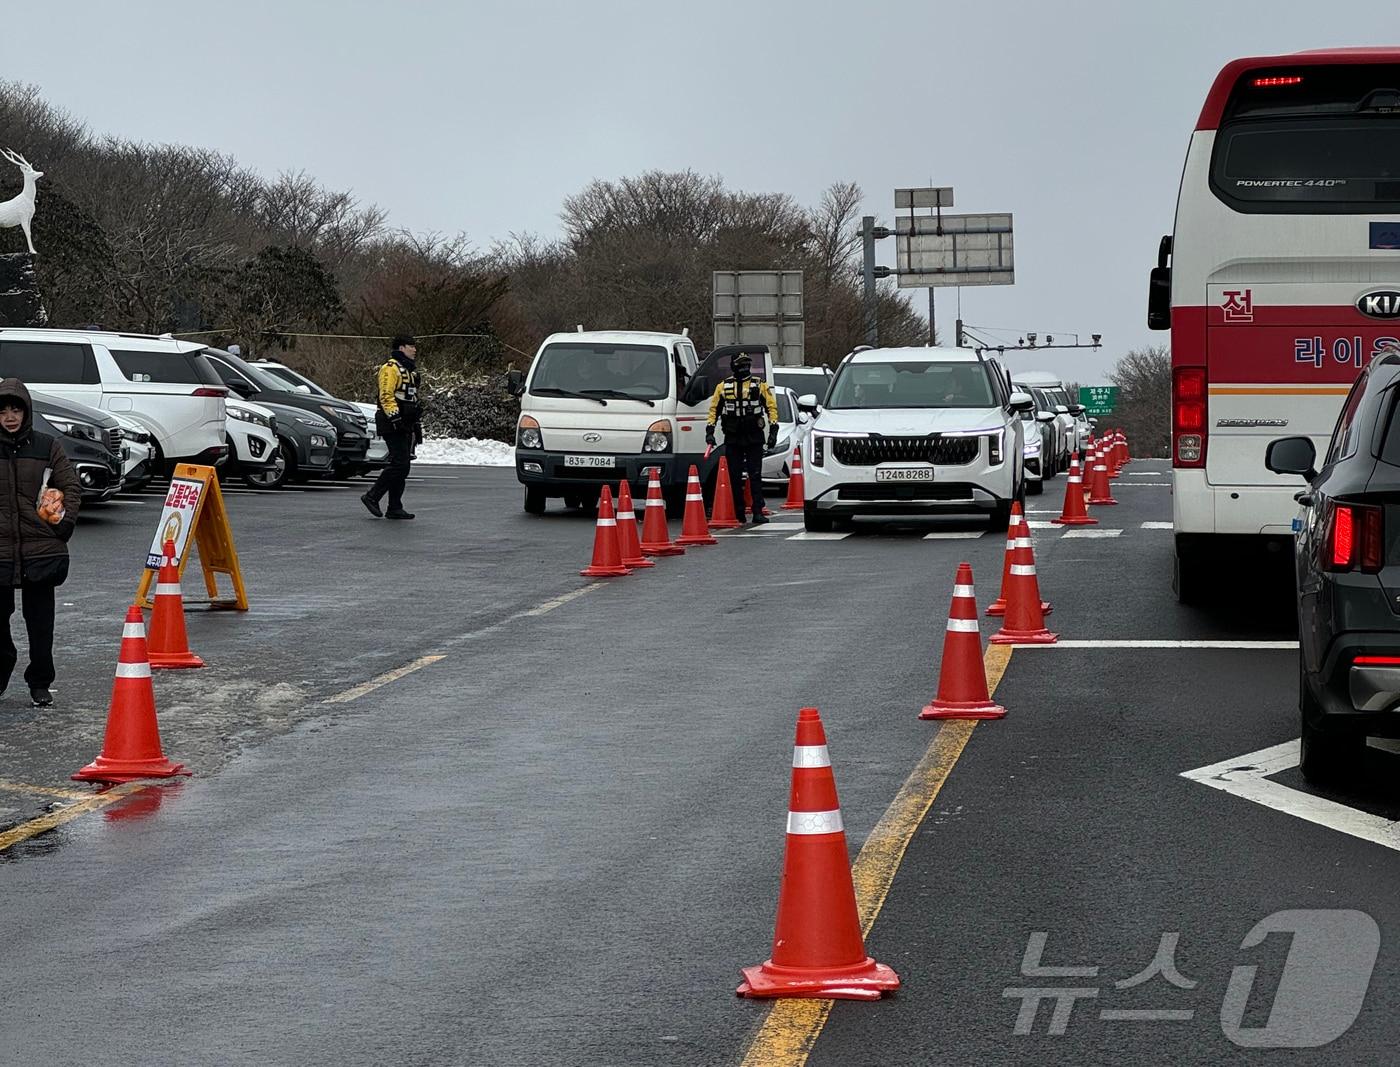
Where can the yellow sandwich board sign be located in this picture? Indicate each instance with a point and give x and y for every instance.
(194, 507)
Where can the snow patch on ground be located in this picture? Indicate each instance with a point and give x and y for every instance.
(472, 452)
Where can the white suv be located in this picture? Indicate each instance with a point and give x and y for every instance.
(915, 431)
(164, 384)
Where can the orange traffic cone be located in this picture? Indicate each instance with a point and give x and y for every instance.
(722, 515)
(1127, 454)
(818, 950)
(962, 676)
(1099, 489)
(1025, 616)
(693, 529)
(656, 536)
(1074, 513)
(1018, 535)
(1115, 457)
(169, 645)
(607, 553)
(797, 483)
(131, 748)
(629, 542)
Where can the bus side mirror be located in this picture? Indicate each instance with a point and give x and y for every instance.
(1159, 299)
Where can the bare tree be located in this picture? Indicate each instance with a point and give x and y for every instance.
(1144, 380)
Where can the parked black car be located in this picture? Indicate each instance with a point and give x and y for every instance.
(261, 387)
(1348, 562)
(91, 439)
(306, 447)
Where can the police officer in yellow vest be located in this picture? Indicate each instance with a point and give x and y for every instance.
(740, 404)
(397, 421)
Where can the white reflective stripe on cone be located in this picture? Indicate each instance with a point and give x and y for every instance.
(815, 822)
(1023, 542)
(810, 756)
(626, 516)
(963, 626)
(607, 522)
(1021, 570)
(1074, 479)
(133, 629)
(657, 503)
(167, 588)
(133, 670)
(694, 496)
(963, 590)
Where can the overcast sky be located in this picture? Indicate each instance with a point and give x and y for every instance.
(482, 117)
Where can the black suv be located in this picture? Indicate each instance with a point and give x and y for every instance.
(260, 386)
(1348, 561)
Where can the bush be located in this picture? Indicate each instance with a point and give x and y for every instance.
(479, 408)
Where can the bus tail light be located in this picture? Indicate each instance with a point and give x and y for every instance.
(1354, 538)
(1189, 417)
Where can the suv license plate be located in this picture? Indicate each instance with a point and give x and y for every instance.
(590, 461)
(904, 474)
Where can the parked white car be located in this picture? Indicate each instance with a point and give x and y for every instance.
(164, 384)
(252, 438)
(137, 453)
(378, 454)
(915, 431)
(793, 427)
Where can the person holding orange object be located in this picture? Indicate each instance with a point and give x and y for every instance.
(39, 500)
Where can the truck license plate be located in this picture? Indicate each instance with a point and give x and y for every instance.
(904, 474)
(590, 461)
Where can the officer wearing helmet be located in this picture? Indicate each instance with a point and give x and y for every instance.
(740, 405)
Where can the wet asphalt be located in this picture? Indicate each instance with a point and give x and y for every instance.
(558, 843)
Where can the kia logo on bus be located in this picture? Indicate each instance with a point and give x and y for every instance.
(1381, 304)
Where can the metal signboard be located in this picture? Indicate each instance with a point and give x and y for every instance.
(939, 197)
(760, 307)
(942, 250)
(1098, 399)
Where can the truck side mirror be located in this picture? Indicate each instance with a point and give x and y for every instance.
(515, 382)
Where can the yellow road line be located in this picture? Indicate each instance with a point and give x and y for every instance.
(53, 819)
(793, 1026)
(44, 790)
(384, 679)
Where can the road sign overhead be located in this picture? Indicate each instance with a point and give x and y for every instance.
(1098, 399)
(760, 307)
(938, 250)
(941, 196)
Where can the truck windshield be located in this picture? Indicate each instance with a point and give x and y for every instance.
(638, 372)
(911, 385)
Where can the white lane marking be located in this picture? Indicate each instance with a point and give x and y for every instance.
(1247, 776)
(771, 528)
(1135, 485)
(1040, 524)
(809, 535)
(1091, 533)
(1157, 526)
(954, 535)
(1041, 511)
(355, 692)
(1148, 643)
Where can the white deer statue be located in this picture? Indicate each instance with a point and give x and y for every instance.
(19, 210)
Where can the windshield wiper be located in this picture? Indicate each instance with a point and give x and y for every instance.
(550, 390)
(620, 395)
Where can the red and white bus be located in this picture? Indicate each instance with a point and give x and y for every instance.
(1280, 281)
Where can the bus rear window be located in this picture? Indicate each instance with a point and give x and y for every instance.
(1315, 139)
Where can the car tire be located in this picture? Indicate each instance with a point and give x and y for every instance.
(1000, 518)
(816, 521)
(1190, 577)
(1034, 488)
(275, 474)
(1325, 756)
(534, 500)
(573, 500)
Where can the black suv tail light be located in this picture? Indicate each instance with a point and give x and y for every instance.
(1354, 538)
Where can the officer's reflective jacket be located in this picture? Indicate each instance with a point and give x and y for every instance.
(399, 383)
(739, 406)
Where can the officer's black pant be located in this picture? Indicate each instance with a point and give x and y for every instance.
(394, 477)
(38, 607)
(745, 458)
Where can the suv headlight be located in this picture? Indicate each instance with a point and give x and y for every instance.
(74, 428)
(658, 437)
(250, 416)
(1032, 447)
(995, 451)
(309, 418)
(818, 449)
(527, 434)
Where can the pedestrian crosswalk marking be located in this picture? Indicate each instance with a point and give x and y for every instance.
(1157, 526)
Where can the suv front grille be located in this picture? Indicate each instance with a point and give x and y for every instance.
(868, 451)
(114, 440)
